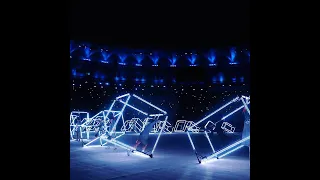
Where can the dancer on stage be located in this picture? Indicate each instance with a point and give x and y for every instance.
(112, 128)
(144, 135)
(100, 127)
(78, 129)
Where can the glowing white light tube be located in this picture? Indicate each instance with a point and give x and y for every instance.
(91, 142)
(233, 112)
(114, 138)
(155, 145)
(119, 97)
(96, 115)
(124, 106)
(209, 141)
(110, 109)
(152, 115)
(229, 147)
(79, 112)
(234, 100)
(149, 103)
(245, 105)
(231, 151)
(118, 143)
(134, 108)
(191, 141)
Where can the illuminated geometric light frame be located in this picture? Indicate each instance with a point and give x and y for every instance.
(91, 124)
(134, 124)
(184, 124)
(137, 125)
(229, 149)
(167, 126)
(227, 127)
(73, 117)
(158, 126)
(125, 103)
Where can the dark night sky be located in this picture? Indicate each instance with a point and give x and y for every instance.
(157, 25)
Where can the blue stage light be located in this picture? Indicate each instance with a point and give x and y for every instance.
(139, 57)
(155, 58)
(173, 60)
(221, 78)
(87, 53)
(232, 56)
(122, 58)
(192, 59)
(211, 56)
(105, 56)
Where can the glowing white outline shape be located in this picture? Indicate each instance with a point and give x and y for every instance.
(123, 145)
(177, 125)
(216, 155)
(225, 125)
(105, 122)
(245, 105)
(72, 124)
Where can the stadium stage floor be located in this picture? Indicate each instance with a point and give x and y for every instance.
(171, 162)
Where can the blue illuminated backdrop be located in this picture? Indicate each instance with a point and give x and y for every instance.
(215, 66)
(211, 57)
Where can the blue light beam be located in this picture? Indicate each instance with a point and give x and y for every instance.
(221, 78)
(192, 59)
(87, 53)
(105, 56)
(122, 58)
(139, 58)
(232, 57)
(155, 59)
(173, 60)
(211, 56)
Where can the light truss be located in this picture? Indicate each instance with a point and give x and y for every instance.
(92, 123)
(87, 124)
(74, 116)
(124, 100)
(231, 148)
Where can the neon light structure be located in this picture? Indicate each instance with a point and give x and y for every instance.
(137, 125)
(87, 124)
(194, 129)
(74, 117)
(124, 100)
(180, 126)
(132, 125)
(210, 124)
(102, 115)
(158, 126)
(231, 148)
(167, 128)
(183, 125)
(227, 127)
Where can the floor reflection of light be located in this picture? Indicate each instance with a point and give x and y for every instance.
(140, 154)
(205, 161)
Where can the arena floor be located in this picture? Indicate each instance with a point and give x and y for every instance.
(173, 160)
